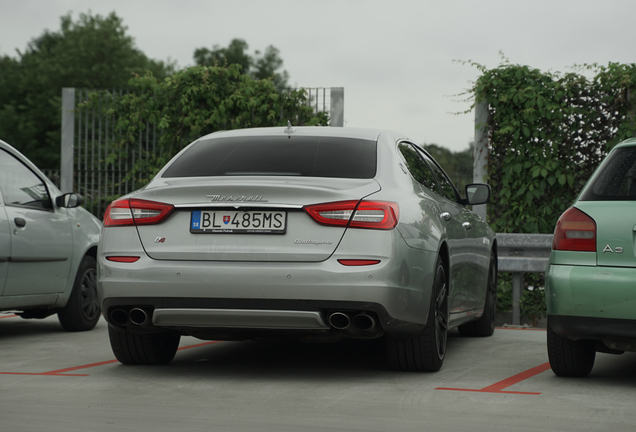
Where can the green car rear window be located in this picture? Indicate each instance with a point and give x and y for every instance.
(616, 180)
(277, 156)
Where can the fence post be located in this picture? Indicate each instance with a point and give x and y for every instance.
(337, 107)
(517, 288)
(480, 151)
(68, 139)
(632, 111)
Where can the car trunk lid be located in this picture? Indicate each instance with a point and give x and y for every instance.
(615, 231)
(256, 218)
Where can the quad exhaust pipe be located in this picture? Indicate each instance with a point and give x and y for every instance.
(136, 316)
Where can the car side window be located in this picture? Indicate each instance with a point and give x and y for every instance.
(417, 167)
(20, 186)
(445, 184)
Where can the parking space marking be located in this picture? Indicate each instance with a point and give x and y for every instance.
(62, 372)
(499, 386)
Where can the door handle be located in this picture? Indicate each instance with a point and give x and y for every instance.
(19, 222)
(446, 216)
(467, 226)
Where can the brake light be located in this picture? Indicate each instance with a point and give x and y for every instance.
(575, 231)
(123, 259)
(132, 212)
(381, 215)
(358, 262)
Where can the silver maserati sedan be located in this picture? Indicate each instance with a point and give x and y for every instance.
(311, 233)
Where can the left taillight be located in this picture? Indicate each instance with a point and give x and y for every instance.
(382, 215)
(575, 231)
(132, 212)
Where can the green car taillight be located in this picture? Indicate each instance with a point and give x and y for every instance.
(575, 231)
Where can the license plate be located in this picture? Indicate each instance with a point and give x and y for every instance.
(238, 222)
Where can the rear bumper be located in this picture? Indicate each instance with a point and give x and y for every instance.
(591, 291)
(249, 318)
(197, 295)
(593, 303)
(602, 329)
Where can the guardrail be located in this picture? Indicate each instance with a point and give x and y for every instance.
(519, 254)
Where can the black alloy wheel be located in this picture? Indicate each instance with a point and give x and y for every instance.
(426, 351)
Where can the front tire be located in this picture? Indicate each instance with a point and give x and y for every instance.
(570, 358)
(143, 348)
(426, 351)
(82, 311)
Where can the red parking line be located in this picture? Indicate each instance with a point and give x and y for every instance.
(61, 372)
(499, 386)
(8, 316)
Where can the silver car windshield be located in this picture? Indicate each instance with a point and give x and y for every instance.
(278, 156)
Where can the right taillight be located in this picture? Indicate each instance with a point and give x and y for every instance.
(575, 231)
(382, 215)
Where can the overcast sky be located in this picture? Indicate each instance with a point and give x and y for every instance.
(397, 59)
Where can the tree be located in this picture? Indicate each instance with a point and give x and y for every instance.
(195, 102)
(235, 53)
(92, 52)
(260, 66)
(548, 131)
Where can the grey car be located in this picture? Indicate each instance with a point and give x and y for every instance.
(311, 233)
(48, 247)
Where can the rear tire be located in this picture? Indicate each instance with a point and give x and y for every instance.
(570, 358)
(485, 325)
(143, 348)
(82, 311)
(426, 351)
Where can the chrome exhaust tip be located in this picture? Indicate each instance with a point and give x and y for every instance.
(339, 320)
(119, 317)
(138, 316)
(364, 322)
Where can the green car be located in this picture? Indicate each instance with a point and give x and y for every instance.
(591, 276)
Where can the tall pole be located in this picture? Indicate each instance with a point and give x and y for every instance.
(68, 139)
(337, 107)
(480, 152)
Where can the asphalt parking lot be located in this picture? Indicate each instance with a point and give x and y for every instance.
(57, 381)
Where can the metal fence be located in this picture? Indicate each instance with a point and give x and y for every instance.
(53, 175)
(88, 133)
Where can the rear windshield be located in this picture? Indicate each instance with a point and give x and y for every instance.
(277, 156)
(617, 179)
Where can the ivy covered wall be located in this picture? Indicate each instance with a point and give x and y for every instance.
(547, 132)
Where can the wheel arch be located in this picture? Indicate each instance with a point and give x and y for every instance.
(92, 251)
(444, 254)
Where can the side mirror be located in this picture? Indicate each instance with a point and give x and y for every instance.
(69, 200)
(477, 193)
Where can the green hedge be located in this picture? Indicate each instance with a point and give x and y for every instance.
(191, 103)
(547, 132)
